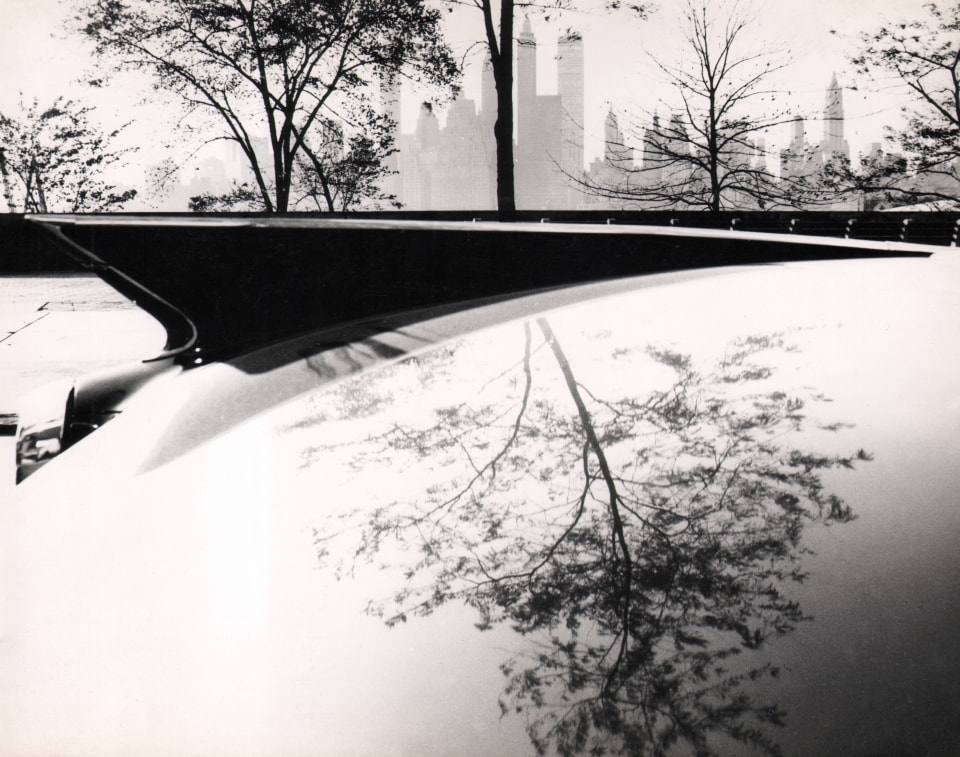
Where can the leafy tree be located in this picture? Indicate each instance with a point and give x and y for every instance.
(53, 160)
(341, 175)
(707, 154)
(274, 73)
(333, 174)
(924, 56)
(641, 540)
(161, 177)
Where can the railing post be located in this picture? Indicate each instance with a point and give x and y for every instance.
(903, 229)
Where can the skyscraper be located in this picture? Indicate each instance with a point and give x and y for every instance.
(615, 151)
(390, 104)
(615, 171)
(570, 87)
(795, 159)
(488, 96)
(526, 84)
(455, 167)
(833, 143)
(804, 161)
(653, 153)
(549, 127)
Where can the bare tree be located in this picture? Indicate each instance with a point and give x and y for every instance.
(708, 152)
(272, 74)
(924, 56)
(53, 160)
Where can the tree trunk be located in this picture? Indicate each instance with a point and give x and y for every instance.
(503, 128)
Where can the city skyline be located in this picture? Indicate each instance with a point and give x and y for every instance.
(40, 61)
(451, 165)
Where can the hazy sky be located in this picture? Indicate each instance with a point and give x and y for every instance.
(39, 59)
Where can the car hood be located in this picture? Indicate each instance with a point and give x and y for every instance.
(419, 557)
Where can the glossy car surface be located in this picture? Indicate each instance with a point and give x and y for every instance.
(712, 511)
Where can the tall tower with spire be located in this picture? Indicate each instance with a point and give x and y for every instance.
(833, 143)
(526, 84)
(488, 94)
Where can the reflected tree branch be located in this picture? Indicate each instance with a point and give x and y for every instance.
(639, 542)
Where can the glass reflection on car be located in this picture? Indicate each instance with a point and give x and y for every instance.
(637, 514)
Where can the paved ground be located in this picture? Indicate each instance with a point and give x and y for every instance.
(60, 327)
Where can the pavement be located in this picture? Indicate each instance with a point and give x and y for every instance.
(54, 328)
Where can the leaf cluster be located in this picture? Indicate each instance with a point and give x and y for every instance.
(922, 56)
(53, 159)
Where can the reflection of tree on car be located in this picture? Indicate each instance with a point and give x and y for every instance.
(637, 524)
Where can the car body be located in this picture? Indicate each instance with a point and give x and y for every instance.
(711, 510)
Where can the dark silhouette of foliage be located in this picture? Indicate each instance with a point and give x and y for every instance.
(342, 175)
(337, 176)
(924, 56)
(274, 75)
(641, 541)
(240, 196)
(53, 159)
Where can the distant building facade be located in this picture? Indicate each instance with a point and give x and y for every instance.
(802, 160)
(454, 167)
(834, 144)
(666, 170)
